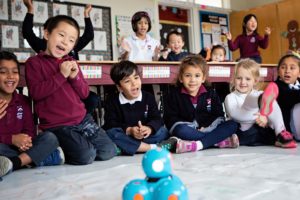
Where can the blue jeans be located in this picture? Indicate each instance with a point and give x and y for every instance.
(208, 139)
(129, 144)
(42, 146)
(85, 142)
(256, 136)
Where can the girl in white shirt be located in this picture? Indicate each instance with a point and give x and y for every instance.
(140, 46)
(256, 111)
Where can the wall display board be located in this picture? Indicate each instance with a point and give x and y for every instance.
(173, 18)
(12, 14)
(213, 27)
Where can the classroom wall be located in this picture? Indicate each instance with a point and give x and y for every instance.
(126, 8)
(276, 15)
(247, 4)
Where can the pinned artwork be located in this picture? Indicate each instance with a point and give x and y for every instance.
(77, 14)
(40, 12)
(3, 10)
(60, 9)
(100, 42)
(96, 17)
(18, 10)
(10, 36)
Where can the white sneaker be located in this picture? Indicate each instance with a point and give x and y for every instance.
(5, 166)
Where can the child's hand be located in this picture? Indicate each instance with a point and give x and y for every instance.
(87, 10)
(74, 70)
(65, 68)
(29, 6)
(261, 120)
(165, 52)
(3, 106)
(136, 133)
(228, 36)
(145, 131)
(156, 53)
(22, 141)
(125, 46)
(268, 30)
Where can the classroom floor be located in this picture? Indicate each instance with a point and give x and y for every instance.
(247, 173)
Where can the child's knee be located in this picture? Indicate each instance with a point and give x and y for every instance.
(83, 157)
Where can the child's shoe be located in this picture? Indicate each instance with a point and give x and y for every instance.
(183, 146)
(169, 144)
(57, 157)
(285, 140)
(270, 94)
(5, 166)
(230, 142)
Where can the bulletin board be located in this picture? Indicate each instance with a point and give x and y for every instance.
(213, 27)
(171, 19)
(12, 14)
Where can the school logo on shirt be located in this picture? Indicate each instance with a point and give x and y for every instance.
(252, 40)
(208, 105)
(19, 112)
(149, 47)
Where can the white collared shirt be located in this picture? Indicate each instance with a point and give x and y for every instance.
(124, 100)
(141, 50)
(295, 86)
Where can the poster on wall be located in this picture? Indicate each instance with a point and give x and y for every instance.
(123, 28)
(77, 13)
(173, 19)
(213, 27)
(100, 42)
(96, 17)
(18, 10)
(40, 12)
(3, 9)
(60, 9)
(10, 36)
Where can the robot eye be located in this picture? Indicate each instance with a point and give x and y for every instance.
(157, 166)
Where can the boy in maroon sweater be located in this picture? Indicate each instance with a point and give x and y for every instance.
(19, 145)
(56, 85)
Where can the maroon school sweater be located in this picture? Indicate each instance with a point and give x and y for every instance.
(57, 100)
(18, 119)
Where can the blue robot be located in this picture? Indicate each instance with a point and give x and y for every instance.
(160, 183)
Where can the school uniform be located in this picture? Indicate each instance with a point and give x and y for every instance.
(288, 97)
(172, 56)
(185, 114)
(248, 45)
(17, 120)
(140, 50)
(121, 113)
(59, 107)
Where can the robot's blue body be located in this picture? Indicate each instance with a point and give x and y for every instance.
(160, 183)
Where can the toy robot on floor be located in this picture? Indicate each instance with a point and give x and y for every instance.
(160, 183)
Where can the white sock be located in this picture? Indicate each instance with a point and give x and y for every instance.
(199, 145)
(153, 146)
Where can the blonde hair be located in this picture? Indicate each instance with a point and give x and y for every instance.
(196, 61)
(249, 65)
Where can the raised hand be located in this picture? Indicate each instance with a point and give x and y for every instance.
(268, 30)
(87, 10)
(228, 36)
(29, 6)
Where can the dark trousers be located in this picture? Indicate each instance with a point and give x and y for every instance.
(91, 102)
(85, 142)
(129, 144)
(42, 146)
(208, 139)
(256, 136)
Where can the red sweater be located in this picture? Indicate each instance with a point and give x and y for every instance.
(18, 119)
(57, 100)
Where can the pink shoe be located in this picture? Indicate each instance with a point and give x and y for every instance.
(183, 146)
(285, 140)
(230, 142)
(269, 96)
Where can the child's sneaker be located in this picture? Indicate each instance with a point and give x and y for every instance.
(285, 140)
(183, 146)
(5, 166)
(57, 157)
(270, 94)
(230, 142)
(169, 144)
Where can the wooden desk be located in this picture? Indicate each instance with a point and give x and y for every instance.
(97, 73)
